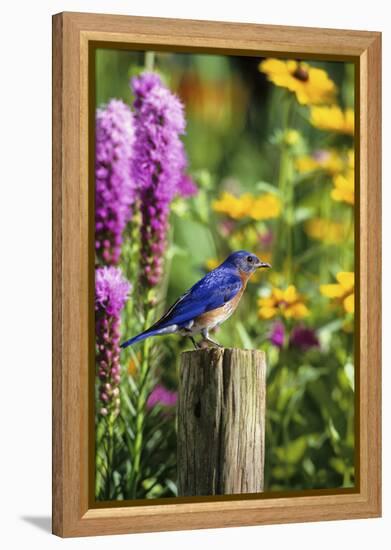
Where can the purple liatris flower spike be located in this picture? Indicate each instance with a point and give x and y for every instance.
(114, 186)
(159, 164)
(303, 338)
(162, 396)
(111, 292)
(277, 334)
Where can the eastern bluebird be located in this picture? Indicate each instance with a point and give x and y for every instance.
(208, 303)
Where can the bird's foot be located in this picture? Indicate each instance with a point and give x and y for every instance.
(196, 346)
(206, 338)
(213, 343)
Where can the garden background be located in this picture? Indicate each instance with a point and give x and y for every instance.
(266, 165)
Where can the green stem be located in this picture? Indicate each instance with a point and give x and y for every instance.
(140, 414)
(324, 213)
(149, 61)
(285, 184)
(130, 259)
(147, 298)
(110, 457)
(346, 254)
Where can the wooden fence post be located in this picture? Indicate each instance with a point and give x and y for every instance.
(221, 422)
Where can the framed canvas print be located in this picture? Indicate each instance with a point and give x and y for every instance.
(216, 274)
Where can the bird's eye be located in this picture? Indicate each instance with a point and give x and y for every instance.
(250, 259)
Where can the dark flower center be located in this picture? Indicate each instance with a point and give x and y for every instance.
(301, 74)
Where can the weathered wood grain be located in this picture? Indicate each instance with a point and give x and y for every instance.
(221, 422)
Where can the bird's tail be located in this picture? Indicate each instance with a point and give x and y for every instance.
(139, 337)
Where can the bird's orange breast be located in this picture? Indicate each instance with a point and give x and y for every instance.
(244, 275)
(219, 315)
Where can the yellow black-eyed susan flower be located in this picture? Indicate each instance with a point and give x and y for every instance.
(287, 303)
(263, 207)
(333, 119)
(343, 291)
(325, 230)
(343, 190)
(212, 263)
(330, 161)
(311, 85)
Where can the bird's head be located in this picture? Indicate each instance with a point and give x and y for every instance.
(245, 262)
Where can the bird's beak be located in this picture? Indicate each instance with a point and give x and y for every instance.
(264, 264)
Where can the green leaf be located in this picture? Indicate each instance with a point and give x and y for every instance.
(302, 213)
(333, 432)
(175, 250)
(349, 372)
(203, 179)
(308, 467)
(244, 336)
(307, 373)
(179, 207)
(294, 451)
(125, 398)
(172, 486)
(338, 464)
(283, 472)
(267, 188)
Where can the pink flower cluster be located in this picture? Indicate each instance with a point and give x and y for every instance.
(162, 396)
(301, 337)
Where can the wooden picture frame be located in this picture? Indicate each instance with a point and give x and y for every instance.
(74, 34)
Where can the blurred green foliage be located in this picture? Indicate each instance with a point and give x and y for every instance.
(245, 135)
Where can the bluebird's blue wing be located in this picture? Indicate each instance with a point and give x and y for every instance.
(211, 292)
